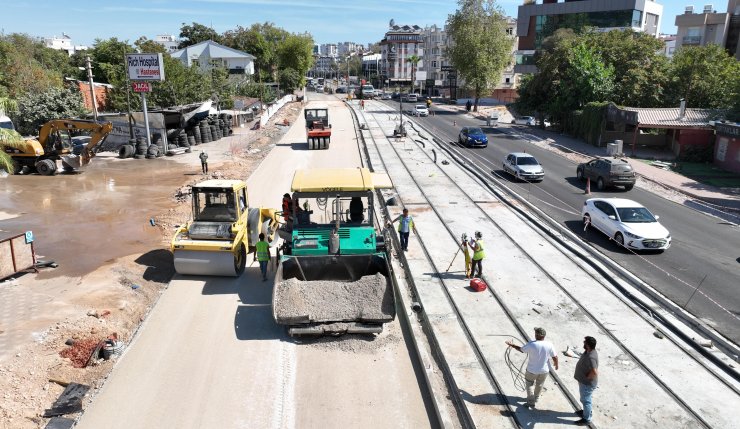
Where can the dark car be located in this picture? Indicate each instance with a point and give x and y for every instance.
(473, 137)
(79, 143)
(607, 172)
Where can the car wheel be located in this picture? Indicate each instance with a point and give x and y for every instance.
(600, 184)
(579, 174)
(628, 187)
(619, 238)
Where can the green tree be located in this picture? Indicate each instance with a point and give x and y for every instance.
(295, 53)
(290, 80)
(639, 67)
(262, 41)
(586, 79)
(481, 49)
(26, 65)
(705, 76)
(35, 109)
(192, 34)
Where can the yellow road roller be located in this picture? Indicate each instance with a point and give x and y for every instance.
(223, 230)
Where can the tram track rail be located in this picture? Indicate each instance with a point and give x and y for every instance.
(696, 415)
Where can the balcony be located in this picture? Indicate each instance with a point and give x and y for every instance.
(691, 40)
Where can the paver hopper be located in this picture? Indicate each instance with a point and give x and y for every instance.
(333, 277)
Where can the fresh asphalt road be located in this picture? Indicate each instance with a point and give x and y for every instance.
(704, 251)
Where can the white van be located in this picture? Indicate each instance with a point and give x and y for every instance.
(6, 123)
(368, 91)
(493, 118)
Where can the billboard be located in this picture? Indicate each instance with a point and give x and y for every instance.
(145, 66)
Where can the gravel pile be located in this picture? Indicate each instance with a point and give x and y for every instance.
(368, 299)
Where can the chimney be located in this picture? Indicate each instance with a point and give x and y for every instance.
(682, 111)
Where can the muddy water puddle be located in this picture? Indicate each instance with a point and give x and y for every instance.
(85, 220)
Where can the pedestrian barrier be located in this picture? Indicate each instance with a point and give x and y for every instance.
(16, 254)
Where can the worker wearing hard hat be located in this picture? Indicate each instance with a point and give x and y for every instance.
(478, 254)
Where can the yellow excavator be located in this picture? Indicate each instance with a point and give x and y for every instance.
(223, 231)
(55, 143)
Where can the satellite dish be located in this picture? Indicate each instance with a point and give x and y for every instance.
(392, 23)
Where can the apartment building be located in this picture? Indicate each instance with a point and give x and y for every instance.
(707, 26)
(399, 43)
(536, 20)
(328, 49)
(669, 44)
(435, 63)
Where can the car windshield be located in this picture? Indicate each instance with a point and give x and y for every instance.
(635, 215)
(421, 107)
(475, 131)
(526, 160)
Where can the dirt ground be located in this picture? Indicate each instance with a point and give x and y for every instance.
(98, 307)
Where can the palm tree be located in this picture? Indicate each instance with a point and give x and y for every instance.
(8, 138)
(413, 59)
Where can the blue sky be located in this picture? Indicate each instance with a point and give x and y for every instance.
(329, 21)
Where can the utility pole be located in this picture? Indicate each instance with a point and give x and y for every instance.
(92, 89)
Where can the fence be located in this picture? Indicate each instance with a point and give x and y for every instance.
(16, 254)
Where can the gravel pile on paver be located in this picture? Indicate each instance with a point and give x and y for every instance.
(369, 298)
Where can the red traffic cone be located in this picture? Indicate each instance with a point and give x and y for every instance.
(588, 186)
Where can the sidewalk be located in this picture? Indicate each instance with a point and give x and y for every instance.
(719, 199)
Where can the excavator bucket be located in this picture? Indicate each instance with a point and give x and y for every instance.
(333, 294)
(72, 161)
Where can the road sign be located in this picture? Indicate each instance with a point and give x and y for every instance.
(446, 68)
(145, 66)
(141, 86)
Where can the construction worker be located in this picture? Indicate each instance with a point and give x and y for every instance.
(263, 255)
(405, 226)
(287, 208)
(203, 161)
(478, 254)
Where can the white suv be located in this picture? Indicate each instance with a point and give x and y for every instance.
(523, 120)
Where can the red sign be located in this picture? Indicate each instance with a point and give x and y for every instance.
(363, 81)
(142, 86)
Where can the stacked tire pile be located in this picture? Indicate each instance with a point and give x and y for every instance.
(210, 129)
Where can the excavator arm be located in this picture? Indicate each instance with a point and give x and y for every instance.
(98, 133)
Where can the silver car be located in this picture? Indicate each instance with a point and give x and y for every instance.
(524, 166)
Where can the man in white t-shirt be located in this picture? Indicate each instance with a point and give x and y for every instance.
(539, 352)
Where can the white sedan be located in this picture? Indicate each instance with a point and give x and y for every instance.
(629, 223)
(420, 110)
(523, 166)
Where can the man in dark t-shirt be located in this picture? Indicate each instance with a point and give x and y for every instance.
(587, 376)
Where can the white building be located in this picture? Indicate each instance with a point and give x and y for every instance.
(63, 43)
(169, 41)
(398, 45)
(435, 42)
(209, 54)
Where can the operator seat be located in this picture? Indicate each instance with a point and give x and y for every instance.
(356, 210)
